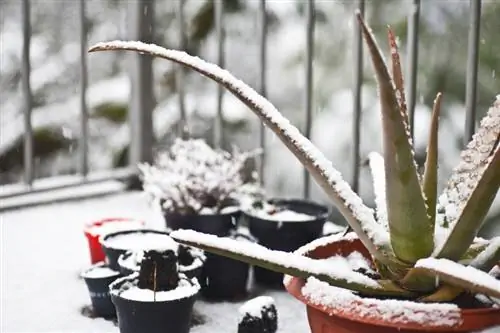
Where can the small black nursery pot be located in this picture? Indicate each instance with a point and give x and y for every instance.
(284, 225)
(157, 299)
(98, 278)
(220, 224)
(223, 278)
(117, 243)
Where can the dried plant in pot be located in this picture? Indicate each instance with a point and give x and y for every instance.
(426, 269)
(196, 186)
(156, 299)
(284, 225)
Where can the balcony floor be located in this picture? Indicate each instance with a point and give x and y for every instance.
(43, 251)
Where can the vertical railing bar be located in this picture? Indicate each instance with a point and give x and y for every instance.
(142, 101)
(472, 68)
(183, 130)
(219, 30)
(27, 96)
(262, 79)
(84, 144)
(357, 107)
(413, 36)
(309, 83)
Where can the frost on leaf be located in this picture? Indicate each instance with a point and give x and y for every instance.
(376, 162)
(192, 176)
(473, 162)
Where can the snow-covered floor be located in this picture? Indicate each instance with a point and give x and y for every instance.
(43, 251)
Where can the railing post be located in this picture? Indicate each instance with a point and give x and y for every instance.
(219, 30)
(84, 164)
(262, 80)
(358, 83)
(411, 89)
(309, 83)
(472, 68)
(26, 92)
(141, 78)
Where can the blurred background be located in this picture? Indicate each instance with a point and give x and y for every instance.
(56, 81)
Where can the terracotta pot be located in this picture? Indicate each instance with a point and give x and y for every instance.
(331, 319)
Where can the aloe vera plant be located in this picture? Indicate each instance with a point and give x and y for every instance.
(424, 247)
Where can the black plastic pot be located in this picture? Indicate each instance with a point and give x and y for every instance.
(98, 278)
(223, 278)
(134, 316)
(217, 224)
(113, 252)
(285, 235)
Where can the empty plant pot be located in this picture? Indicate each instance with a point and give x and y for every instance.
(118, 243)
(223, 278)
(140, 308)
(284, 225)
(220, 224)
(336, 310)
(94, 230)
(98, 278)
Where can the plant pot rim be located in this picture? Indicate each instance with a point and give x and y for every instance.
(198, 262)
(101, 264)
(116, 289)
(365, 308)
(248, 211)
(87, 228)
(104, 239)
(236, 210)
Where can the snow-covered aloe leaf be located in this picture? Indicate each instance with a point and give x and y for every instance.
(377, 169)
(358, 215)
(338, 274)
(466, 277)
(430, 180)
(410, 229)
(397, 74)
(472, 188)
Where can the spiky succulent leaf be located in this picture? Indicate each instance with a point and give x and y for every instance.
(477, 198)
(359, 216)
(476, 160)
(430, 180)
(288, 263)
(397, 74)
(466, 277)
(411, 232)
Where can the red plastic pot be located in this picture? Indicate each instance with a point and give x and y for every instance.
(325, 318)
(92, 233)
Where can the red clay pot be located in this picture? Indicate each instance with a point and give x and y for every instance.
(325, 319)
(95, 248)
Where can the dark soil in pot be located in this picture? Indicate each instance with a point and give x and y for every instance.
(117, 243)
(98, 278)
(223, 278)
(284, 225)
(157, 299)
(220, 224)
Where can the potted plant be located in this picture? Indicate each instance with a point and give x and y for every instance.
(285, 225)
(157, 299)
(117, 243)
(196, 186)
(98, 277)
(95, 229)
(190, 261)
(429, 267)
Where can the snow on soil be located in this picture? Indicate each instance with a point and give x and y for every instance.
(47, 295)
(273, 213)
(99, 271)
(140, 240)
(114, 226)
(129, 290)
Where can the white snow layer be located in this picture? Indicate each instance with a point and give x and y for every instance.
(255, 306)
(50, 293)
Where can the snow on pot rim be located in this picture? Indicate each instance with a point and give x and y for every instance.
(390, 313)
(131, 261)
(288, 211)
(137, 240)
(111, 225)
(126, 288)
(99, 270)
